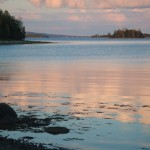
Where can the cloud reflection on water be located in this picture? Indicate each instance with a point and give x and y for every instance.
(91, 89)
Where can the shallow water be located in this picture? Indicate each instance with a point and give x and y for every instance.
(100, 86)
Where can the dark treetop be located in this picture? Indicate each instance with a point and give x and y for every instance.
(10, 27)
(124, 33)
(128, 33)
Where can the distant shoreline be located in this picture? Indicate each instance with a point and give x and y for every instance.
(23, 42)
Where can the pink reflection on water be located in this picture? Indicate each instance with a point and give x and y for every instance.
(83, 89)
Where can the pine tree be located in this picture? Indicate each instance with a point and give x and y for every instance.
(10, 27)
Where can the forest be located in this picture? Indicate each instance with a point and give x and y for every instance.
(128, 33)
(10, 27)
(124, 33)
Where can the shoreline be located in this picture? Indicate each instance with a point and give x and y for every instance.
(11, 144)
(23, 144)
(23, 42)
(32, 123)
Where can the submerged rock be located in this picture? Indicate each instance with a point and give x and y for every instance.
(56, 130)
(8, 116)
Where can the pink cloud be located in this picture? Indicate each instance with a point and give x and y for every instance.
(115, 17)
(74, 18)
(36, 2)
(53, 3)
(138, 10)
(74, 3)
(133, 3)
(93, 4)
(108, 4)
(29, 16)
(1, 1)
(80, 17)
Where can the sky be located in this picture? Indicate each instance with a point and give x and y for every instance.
(80, 17)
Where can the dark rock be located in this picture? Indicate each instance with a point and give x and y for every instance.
(8, 116)
(56, 130)
(29, 121)
(20, 144)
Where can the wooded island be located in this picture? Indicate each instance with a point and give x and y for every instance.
(124, 33)
(12, 30)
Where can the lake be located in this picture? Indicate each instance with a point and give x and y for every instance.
(101, 88)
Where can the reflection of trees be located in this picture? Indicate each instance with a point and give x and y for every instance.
(4, 78)
(7, 74)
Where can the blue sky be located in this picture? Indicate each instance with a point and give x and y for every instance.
(80, 17)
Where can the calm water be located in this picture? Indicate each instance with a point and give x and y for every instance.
(101, 85)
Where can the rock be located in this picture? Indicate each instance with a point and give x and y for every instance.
(8, 116)
(56, 130)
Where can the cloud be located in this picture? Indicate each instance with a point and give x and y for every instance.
(122, 3)
(36, 2)
(138, 10)
(92, 4)
(31, 16)
(27, 15)
(82, 18)
(53, 3)
(115, 17)
(74, 18)
(2, 1)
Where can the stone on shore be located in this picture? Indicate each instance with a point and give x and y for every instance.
(8, 116)
(56, 130)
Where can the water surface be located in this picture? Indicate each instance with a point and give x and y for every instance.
(101, 84)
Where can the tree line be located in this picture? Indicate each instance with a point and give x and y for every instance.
(10, 27)
(124, 33)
